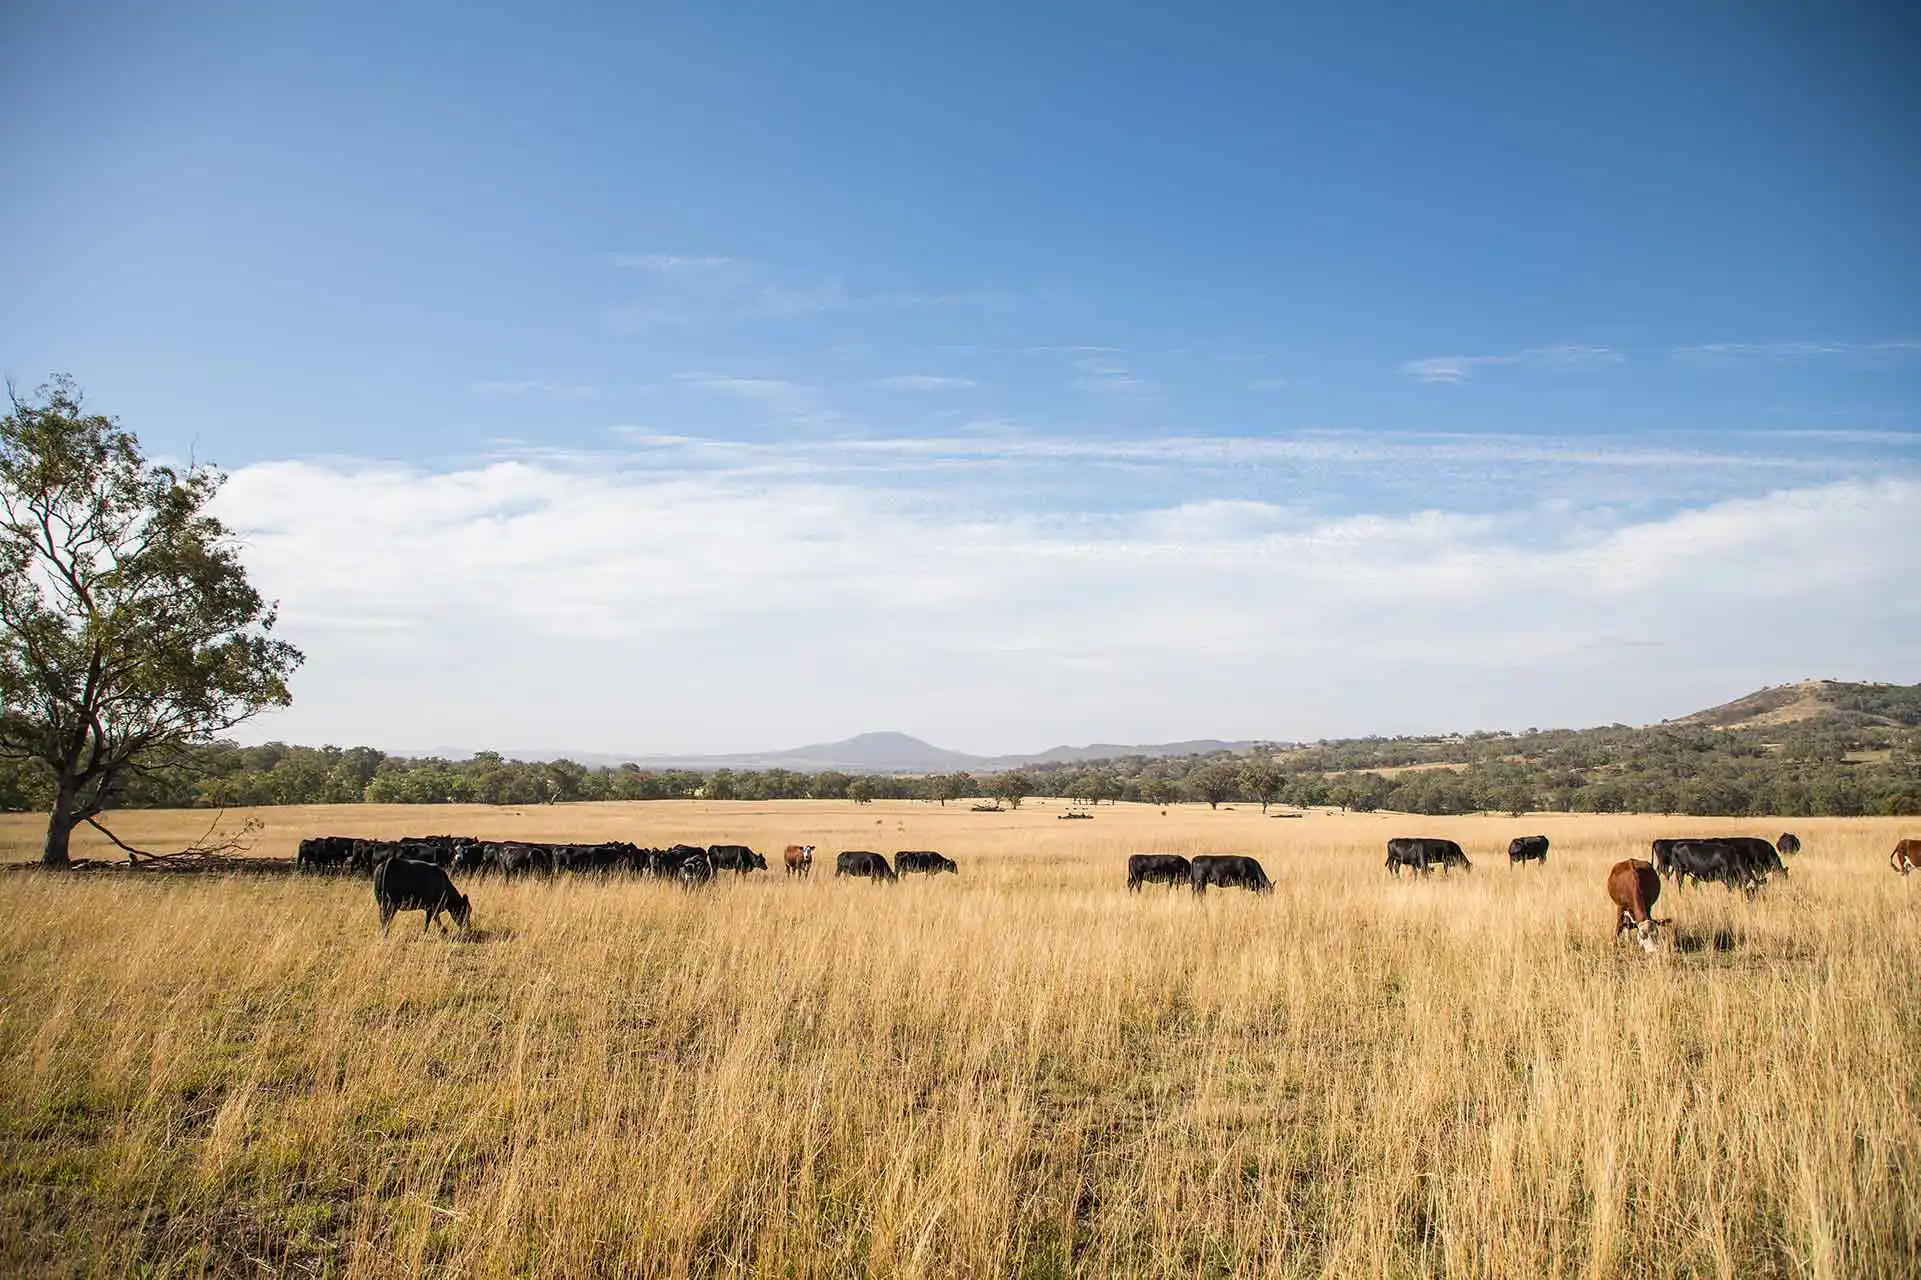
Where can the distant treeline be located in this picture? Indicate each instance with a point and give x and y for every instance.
(1828, 767)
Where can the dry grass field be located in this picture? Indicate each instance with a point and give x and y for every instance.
(1022, 1071)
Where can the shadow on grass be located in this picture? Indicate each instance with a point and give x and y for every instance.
(1690, 943)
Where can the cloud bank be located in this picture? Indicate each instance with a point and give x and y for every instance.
(624, 603)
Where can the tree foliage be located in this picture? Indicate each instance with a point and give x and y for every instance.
(128, 629)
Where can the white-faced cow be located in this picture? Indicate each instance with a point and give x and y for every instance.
(1634, 887)
(1906, 856)
(799, 859)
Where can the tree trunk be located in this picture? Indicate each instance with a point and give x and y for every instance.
(60, 826)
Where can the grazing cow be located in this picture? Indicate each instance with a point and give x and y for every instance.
(1788, 845)
(1906, 856)
(736, 858)
(912, 860)
(1745, 862)
(1229, 871)
(1157, 868)
(324, 855)
(1634, 886)
(402, 884)
(1527, 849)
(1424, 853)
(694, 869)
(860, 862)
(799, 859)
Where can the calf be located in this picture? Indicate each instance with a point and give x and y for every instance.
(799, 859)
(1906, 856)
(1229, 871)
(401, 884)
(1527, 849)
(911, 860)
(737, 858)
(1157, 868)
(1634, 887)
(860, 862)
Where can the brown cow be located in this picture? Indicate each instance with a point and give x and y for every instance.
(1906, 856)
(1634, 886)
(799, 859)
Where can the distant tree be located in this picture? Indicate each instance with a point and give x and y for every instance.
(1011, 787)
(1260, 779)
(719, 785)
(829, 784)
(1215, 783)
(950, 786)
(1160, 791)
(129, 632)
(861, 790)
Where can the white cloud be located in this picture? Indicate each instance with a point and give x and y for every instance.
(549, 602)
(1776, 351)
(530, 386)
(675, 263)
(1461, 368)
(925, 382)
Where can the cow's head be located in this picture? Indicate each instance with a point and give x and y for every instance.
(1648, 933)
(461, 910)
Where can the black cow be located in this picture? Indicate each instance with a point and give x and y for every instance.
(1789, 844)
(736, 857)
(1424, 853)
(1731, 861)
(519, 858)
(402, 884)
(1157, 868)
(324, 855)
(1229, 871)
(860, 862)
(912, 860)
(1527, 849)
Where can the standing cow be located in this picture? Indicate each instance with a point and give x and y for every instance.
(862, 862)
(401, 884)
(1634, 888)
(799, 859)
(1527, 849)
(1424, 853)
(1229, 871)
(924, 860)
(737, 858)
(1157, 868)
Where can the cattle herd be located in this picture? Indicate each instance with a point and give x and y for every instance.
(411, 874)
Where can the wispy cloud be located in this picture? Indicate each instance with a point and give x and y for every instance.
(1106, 373)
(1461, 368)
(925, 382)
(1788, 351)
(534, 387)
(675, 263)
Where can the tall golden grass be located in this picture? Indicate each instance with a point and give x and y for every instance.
(1022, 1071)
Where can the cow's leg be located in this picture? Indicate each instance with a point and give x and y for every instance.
(386, 918)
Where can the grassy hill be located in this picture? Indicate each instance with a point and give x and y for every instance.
(1831, 703)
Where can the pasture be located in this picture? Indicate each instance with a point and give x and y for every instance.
(1020, 1071)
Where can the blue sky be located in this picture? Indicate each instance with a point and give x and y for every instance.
(1005, 376)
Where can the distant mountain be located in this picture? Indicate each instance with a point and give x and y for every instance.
(883, 752)
(1833, 703)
